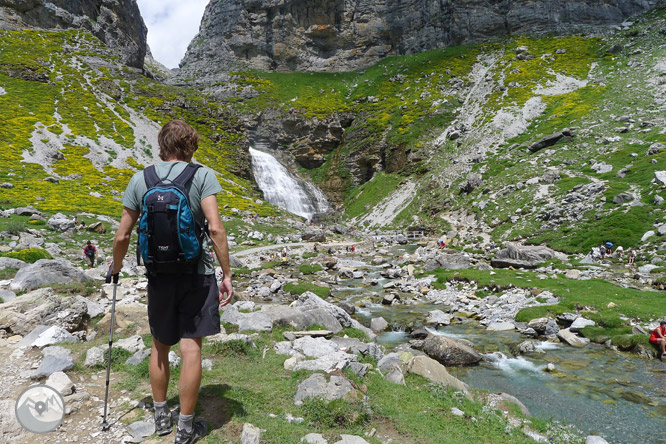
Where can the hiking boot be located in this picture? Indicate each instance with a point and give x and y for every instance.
(163, 424)
(198, 431)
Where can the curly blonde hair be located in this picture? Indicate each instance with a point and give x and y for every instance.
(178, 140)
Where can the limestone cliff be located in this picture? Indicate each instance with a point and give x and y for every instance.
(343, 35)
(117, 23)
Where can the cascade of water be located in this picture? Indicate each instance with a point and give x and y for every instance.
(283, 189)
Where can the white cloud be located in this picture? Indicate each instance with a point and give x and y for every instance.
(171, 26)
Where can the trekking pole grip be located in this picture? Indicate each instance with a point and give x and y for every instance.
(111, 276)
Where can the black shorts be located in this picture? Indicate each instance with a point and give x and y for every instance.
(183, 306)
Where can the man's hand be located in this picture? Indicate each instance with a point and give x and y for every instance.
(226, 291)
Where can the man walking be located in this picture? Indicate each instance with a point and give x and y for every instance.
(181, 307)
(90, 254)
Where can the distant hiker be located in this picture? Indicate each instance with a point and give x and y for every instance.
(330, 250)
(316, 250)
(609, 248)
(82, 225)
(602, 252)
(632, 256)
(353, 249)
(658, 338)
(183, 296)
(90, 254)
(619, 251)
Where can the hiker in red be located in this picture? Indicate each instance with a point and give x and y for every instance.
(90, 254)
(658, 337)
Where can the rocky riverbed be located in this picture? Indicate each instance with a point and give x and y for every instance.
(412, 323)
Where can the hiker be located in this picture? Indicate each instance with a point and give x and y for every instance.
(602, 252)
(609, 248)
(90, 254)
(315, 249)
(632, 256)
(182, 307)
(658, 338)
(619, 252)
(82, 225)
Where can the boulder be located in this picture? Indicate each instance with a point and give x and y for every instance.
(61, 223)
(128, 318)
(450, 351)
(309, 301)
(378, 324)
(660, 177)
(316, 386)
(313, 235)
(438, 317)
(435, 372)
(329, 262)
(97, 227)
(141, 430)
(299, 318)
(41, 307)
(47, 272)
(251, 434)
(56, 359)
(8, 262)
(623, 198)
(457, 261)
(52, 336)
(501, 326)
(27, 211)
(96, 356)
(549, 140)
(580, 323)
(526, 347)
(544, 326)
(570, 338)
(61, 382)
(594, 439)
(472, 182)
(351, 439)
(257, 321)
(132, 344)
(522, 256)
(6, 296)
(314, 438)
(138, 357)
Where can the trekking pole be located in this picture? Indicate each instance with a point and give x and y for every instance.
(109, 277)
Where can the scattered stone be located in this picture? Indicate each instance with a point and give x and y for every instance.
(351, 439)
(451, 351)
(570, 338)
(142, 429)
(378, 324)
(544, 326)
(580, 323)
(593, 439)
(174, 359)
(56, 359)
(438, 317)
(660, 177)
(61, 382)
(623, 198)
(316, 387)
(138, 357)
(435, 372)
(46, 272)
(501, 326)
(61, 223)
(53, 335)
(314, 438)
(457, 412)
(549, 140)
(523, 256)
(95, 356)
(550, 368)
(251, 434)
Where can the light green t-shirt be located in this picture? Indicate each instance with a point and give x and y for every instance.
(204, 184)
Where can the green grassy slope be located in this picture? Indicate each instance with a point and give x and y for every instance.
(70, 111)
(501, 104)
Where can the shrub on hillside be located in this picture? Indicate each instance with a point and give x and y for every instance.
(301, 287)
(29, 255)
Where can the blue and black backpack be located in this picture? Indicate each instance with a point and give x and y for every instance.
(170, 239)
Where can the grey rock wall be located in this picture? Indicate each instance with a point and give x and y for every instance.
(342, 35)
(117, 23)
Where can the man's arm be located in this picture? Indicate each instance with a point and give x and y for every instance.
(121, 240)
(219, 237)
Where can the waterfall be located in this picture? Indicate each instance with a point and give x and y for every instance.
(283, 189)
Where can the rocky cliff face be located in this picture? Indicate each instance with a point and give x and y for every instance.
(343, 35)
(117, 23)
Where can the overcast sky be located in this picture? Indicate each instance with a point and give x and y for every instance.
(171, 26)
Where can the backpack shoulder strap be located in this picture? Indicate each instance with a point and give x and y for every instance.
(151, 177)
(184, 178)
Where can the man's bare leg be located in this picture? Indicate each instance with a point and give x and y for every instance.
(190, 375)
(159, 370)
